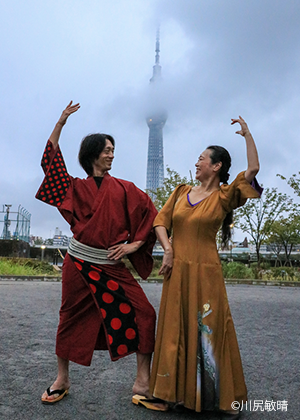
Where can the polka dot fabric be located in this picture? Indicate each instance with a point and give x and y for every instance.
(56, 182)
(116, 310)
(46, 156)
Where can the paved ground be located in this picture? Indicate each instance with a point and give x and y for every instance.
(267, 324)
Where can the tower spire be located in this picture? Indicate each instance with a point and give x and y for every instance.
(156, 120)
(157, 66)
(157, 50)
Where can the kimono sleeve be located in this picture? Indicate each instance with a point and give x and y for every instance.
(236, 194)
(56, 183)
(164, 217)
(141, 213)
(141, 216)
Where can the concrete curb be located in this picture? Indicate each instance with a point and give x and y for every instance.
(263, 282)
(30, 278)
(252, 282)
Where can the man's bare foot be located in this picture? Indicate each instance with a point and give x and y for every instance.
(56, 385)
(141, 389)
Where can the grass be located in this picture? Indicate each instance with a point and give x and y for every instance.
(231, 270)
(25, 267)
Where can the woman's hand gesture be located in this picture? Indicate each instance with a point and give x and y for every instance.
(244, 128)
(252, 156)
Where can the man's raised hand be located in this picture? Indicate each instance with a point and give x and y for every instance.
(70, 109)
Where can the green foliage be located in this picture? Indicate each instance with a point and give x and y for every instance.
(236, 270)
(25, 267)
(285, 234)
(293, 182)
(281, 273)
(257, 216)
(171, 181)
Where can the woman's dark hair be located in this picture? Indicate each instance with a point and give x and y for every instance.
(90, 149)
(219, 154)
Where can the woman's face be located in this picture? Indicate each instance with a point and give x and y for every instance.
(204, 167)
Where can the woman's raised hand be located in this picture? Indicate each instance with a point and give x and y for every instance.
(252, 155)
(70, 109)
(244, 128)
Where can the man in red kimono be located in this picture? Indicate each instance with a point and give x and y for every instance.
(103, 306)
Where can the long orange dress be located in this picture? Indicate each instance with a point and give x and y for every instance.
(196, 358)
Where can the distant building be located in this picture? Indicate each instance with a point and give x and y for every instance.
(59, 239)
(156, 120)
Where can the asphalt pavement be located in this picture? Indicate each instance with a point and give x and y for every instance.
(267, 322)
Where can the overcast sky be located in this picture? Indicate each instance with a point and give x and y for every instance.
(219, 59)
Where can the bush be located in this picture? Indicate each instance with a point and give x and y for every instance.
(282, 274)
(236, 270)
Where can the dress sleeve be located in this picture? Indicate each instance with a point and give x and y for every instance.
(164, 217)
(236, 194)
(57, 181)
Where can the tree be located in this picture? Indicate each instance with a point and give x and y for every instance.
(293, 182)
(285, 233)
(257, 216)
(276, 247)
(173, 179)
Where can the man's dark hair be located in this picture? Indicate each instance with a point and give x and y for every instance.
(90, 149)
(219, 154)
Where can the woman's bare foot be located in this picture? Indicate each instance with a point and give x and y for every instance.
(230, 415)
(155, 404)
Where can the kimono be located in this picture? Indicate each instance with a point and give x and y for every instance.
(103, 306)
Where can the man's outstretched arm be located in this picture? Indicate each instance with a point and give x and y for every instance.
(55, 135)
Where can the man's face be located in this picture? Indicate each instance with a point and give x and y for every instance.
(104, 161)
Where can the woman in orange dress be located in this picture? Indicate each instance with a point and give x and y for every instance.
(197, 361)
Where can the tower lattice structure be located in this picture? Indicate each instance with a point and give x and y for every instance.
(156, 122)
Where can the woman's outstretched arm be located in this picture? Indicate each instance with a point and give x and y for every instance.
(70, 109)
(252, 155)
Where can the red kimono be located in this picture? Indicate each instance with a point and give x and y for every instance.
(103, 306)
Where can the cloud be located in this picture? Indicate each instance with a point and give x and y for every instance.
(219, 60)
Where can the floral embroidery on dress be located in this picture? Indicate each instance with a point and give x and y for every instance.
(207, 372)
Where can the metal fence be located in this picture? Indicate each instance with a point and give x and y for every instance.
(16, 224)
